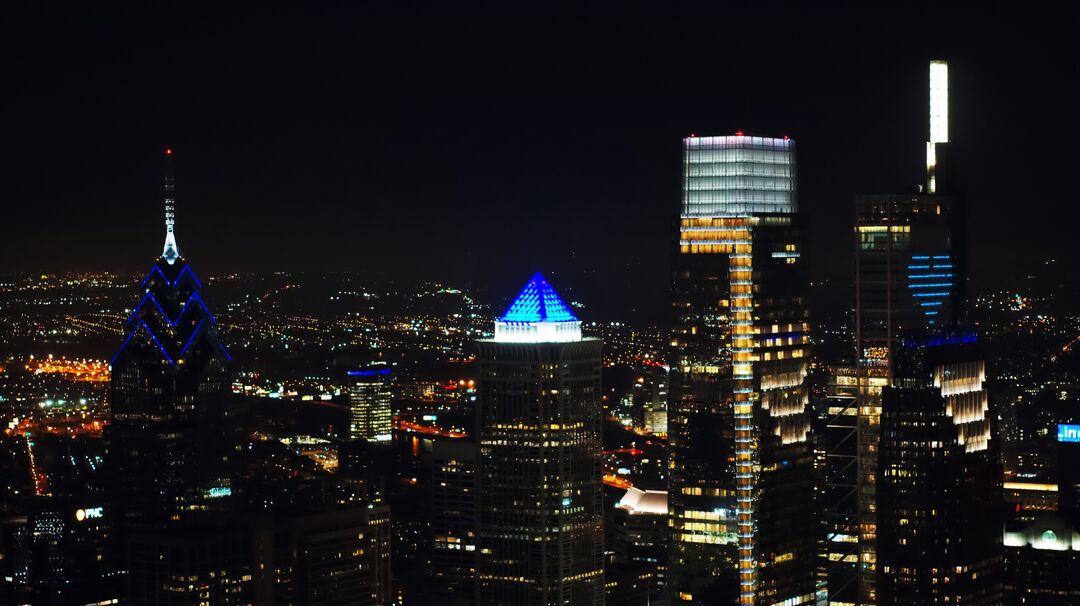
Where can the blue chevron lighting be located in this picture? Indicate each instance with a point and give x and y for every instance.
(173, 315)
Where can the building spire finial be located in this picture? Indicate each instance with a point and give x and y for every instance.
(172, 250)
(939, 119)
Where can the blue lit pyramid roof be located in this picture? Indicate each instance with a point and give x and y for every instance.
(538, 302)
(173, 317)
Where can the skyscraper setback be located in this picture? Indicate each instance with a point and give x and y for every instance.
(539, 490)
(741, 484)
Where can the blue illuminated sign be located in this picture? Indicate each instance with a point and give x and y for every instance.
(942, 338)
(1068, 433)
(368, 373)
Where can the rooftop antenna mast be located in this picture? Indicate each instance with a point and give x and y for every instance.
(172, 250)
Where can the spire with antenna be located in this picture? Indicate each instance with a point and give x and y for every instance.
(172, 250)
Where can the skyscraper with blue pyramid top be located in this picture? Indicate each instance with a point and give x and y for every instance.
(538, 315)
(539, 478)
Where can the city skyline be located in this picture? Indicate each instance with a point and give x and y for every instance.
(766, 378)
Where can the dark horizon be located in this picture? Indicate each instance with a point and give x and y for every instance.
(449, 147)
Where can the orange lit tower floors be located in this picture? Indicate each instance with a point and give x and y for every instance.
(741, 486)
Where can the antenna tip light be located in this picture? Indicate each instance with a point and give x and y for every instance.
(168, 151)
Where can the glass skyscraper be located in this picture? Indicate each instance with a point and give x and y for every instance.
(741, 483)
(909, 275)
(539, 488)
(369, 403)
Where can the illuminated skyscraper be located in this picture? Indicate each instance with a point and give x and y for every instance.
(939, 481)
(166, 453)
(369, 403)
(539, 489)
(908, 276)
(741, 486)
(453, 521)
(838, 439)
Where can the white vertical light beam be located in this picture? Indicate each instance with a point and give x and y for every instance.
(939, 102)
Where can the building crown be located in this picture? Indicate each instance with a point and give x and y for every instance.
(538, 315)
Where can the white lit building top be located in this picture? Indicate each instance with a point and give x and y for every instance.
(737, 176)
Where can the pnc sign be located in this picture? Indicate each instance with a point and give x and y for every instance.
(89, 513)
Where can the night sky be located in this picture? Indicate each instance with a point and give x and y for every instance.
(479, 147)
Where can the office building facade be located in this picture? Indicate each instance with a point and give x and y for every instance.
(58, 553)
(540, 523)
(369, 403)
(939, 477)
(741, 482)
(838, 451)
(453, 520)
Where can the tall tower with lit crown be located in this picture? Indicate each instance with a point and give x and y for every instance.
(540, 494)
(741, 485)
(170, 383)
(909, 275)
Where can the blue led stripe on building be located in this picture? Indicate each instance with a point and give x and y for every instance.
(194, 333)
(185, 270)
(193, 298)
(122, 346)
(158, 343)
(368, 373)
